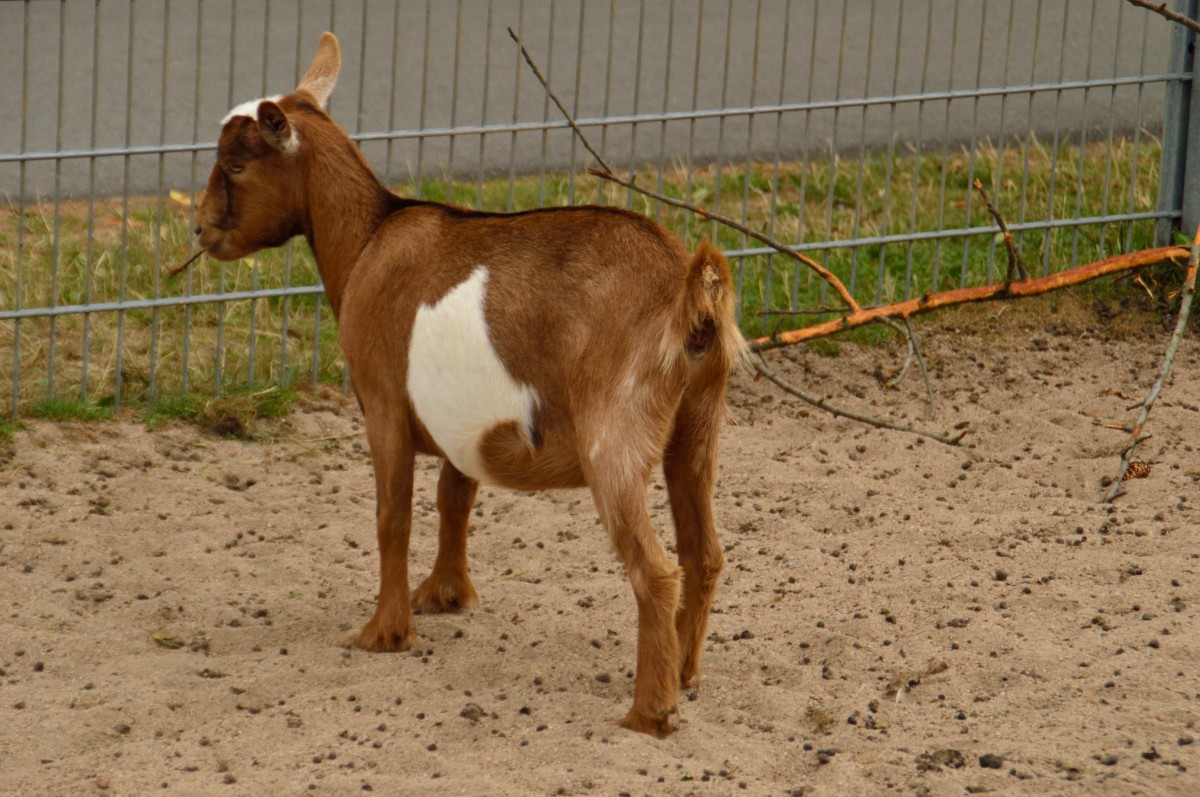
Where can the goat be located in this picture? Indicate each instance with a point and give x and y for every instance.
(562, 347)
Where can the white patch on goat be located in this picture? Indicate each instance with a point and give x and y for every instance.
(595, 452)
(248, 108)
(458, 386)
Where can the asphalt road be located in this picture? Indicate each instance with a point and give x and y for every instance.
(141, 73)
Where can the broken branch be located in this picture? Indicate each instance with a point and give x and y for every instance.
(1015, 263)
(1162, 10)
(835, 411)
(1186, 295)
(936, 301)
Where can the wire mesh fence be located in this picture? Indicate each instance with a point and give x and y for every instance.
(849, 130)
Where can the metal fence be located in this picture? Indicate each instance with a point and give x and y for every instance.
(852, 130)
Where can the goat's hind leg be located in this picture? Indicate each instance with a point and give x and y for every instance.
(622, 503)
(689, 466)
(448, 588)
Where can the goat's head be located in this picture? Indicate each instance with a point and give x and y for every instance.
(255, 195)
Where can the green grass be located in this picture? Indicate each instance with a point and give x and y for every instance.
(214, 349)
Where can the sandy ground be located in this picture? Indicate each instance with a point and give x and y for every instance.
(896, 616)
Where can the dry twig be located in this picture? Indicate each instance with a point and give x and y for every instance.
(1015, 264)
(1162, 10)
(1186, 295)
(914, 353)
(606, 173)
(834, 410)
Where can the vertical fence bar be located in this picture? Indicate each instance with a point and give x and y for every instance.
(1029, 137)
(637, 95)
(1176, 129)
(804, 161)
(391, 140)
(449, 173)
(720, 164)
(18, 299)
(483, 106)
(773, 217)
(187, 308)
(1108, 149)
(889, 168)
(747, 174)
(1048, 241)
(89, 265)
(966, 243)
(691, 150)
(152, 385)
(516, 110)
(56, 251)
(421, 113)
(1002, 142)
(119, 375)
(549, 70)
(666, 106)
(1083, 139)
(579, 44)
(1190, 205)
(935, 282)
(862, 151)
(256, 260)
(1137, 134)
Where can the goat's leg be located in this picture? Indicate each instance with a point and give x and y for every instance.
(448, 587)
(655, 581)
(391, 628)
(689, 466)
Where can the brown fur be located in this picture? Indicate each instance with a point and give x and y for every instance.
(626, 338)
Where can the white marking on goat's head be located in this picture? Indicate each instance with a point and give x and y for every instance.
(255, 195)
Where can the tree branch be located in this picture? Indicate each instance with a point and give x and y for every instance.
(936, 301)
(1016, 266)
(1162, 10)
(817, 401)
(606, 173)
(1186, 295)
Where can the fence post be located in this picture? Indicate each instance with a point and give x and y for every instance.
(1179, 176)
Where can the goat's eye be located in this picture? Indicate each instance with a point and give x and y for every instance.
(235, 168)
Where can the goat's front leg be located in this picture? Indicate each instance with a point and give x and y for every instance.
(391, 628)
(448, 588)
(655, 581)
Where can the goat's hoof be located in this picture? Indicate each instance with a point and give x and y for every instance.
(658, 725)
(444, 596)
(379, 640)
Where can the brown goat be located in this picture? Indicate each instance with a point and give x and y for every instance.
(562, 347)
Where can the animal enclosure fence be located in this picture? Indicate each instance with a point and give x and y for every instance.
(852, 131)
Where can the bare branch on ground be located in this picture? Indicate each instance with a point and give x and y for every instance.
(836, 411)
(1186, 294)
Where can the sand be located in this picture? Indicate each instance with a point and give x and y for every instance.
(895, 615)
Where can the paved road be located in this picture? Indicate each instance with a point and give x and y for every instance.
(143, 73)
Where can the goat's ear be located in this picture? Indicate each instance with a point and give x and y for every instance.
(322, 75)
(275, 128)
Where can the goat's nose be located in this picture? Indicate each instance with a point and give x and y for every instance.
(198, 230)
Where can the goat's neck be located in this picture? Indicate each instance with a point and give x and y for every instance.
(345, 206)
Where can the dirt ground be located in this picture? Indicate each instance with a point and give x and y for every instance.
(896, 615)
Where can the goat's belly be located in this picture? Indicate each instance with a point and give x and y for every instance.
(458, 387)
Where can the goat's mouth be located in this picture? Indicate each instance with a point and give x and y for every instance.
(179, 270)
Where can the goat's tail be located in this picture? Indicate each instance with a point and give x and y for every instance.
(709, 310)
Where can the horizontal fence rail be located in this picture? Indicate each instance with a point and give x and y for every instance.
(845, 129)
